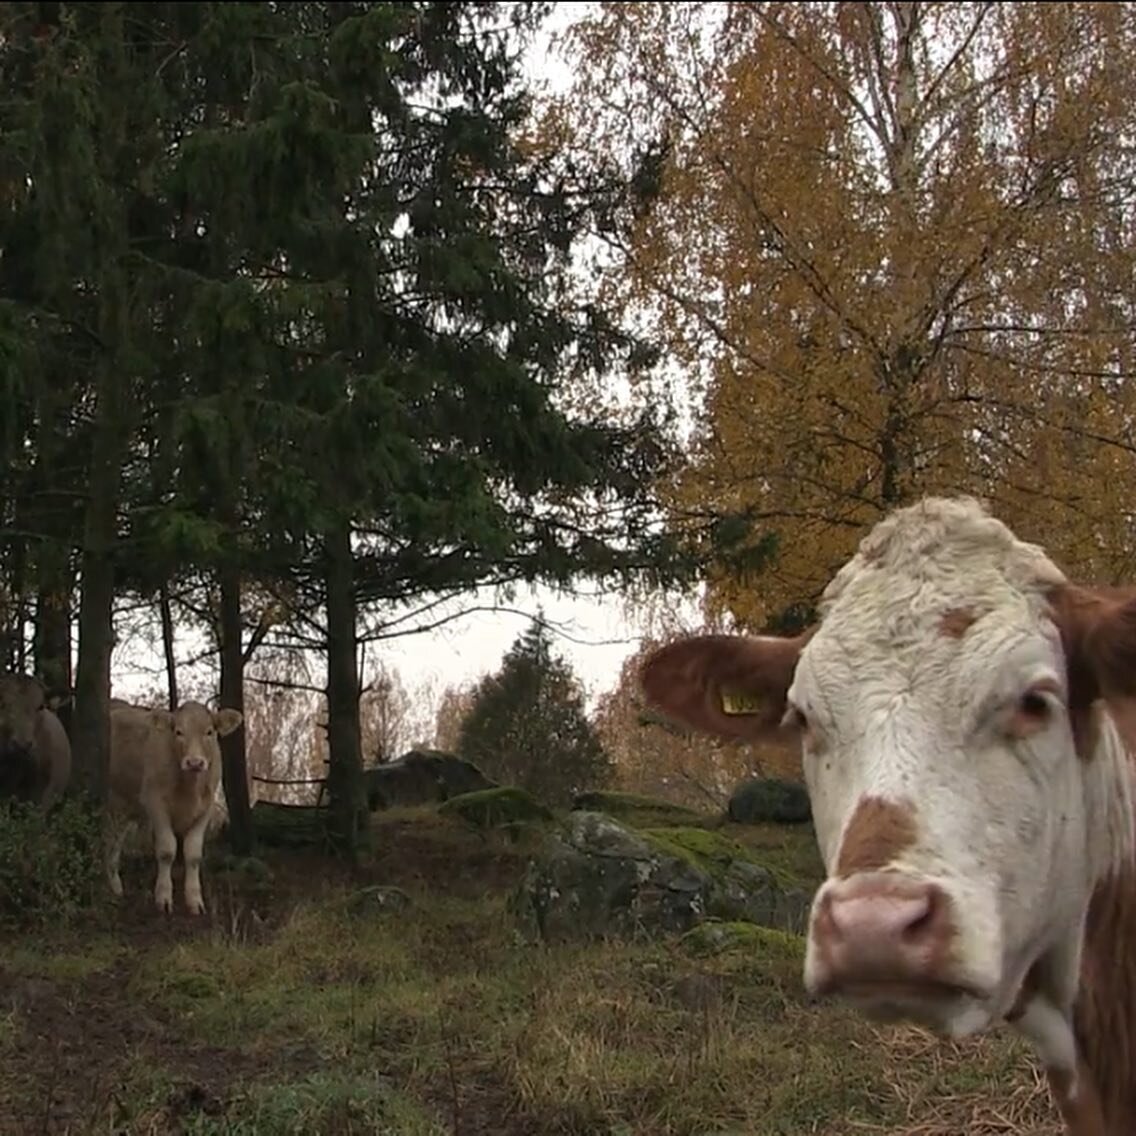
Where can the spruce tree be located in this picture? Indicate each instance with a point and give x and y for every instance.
(528, 726)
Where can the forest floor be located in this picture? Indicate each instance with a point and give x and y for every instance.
(286, 1012)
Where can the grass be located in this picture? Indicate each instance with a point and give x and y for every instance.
(285, 1012)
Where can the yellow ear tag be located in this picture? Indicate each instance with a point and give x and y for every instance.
(740, 702)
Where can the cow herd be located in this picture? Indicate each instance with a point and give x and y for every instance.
(164, 770)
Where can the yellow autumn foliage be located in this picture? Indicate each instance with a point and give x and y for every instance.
(894, 246)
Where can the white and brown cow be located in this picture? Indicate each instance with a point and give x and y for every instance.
(164, 770)
(35, 755)
(967, 717)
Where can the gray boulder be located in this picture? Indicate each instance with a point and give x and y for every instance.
(764, 800)
(422, 777)
(600, 879)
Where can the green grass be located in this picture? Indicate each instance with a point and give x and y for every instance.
(284, 1013)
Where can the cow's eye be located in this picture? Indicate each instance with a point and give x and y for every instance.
(1034, 706)
(795, 718)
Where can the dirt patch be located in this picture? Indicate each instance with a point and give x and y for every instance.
(81, 1049)
(445, 859)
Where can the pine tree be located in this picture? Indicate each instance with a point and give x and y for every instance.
(528, 726)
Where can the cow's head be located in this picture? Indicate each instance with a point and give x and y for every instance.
(967, 788)
(196, 730)
(22, 701)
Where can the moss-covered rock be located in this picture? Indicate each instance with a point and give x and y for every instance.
(422, 776)
(601, 878)
(715, 938)
(704, 848)
(769, 799)
(635, 807)
(743, 886)
(494, 808)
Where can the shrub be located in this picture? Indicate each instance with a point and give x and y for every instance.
(493, 808)
(50, 864)
(761, 800)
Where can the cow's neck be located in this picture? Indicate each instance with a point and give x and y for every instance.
(1106, 1004)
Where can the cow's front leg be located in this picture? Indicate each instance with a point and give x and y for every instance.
(115, 830)
(191, 845)
(165, 849)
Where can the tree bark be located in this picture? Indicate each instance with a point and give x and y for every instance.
(348, 821)
(90, 740)
(52, 642)
(234, 759)
(168, 647)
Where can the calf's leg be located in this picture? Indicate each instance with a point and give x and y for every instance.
(115, 831)
(165, 849)
(191, 845)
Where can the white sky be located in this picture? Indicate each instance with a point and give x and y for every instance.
(593, 634)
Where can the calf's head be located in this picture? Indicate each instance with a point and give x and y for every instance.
(957, 707)
(196, 732)
(22, 701)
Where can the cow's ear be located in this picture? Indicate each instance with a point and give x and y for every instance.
(33, 694)
(227, 720)
(58, 701)
(1111, 647)
(1098, 633)
(731, 686)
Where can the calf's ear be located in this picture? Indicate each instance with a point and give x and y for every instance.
(731, 686)
(227, 720)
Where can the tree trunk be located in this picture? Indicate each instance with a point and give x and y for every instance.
(52, 643)
(234, 767)
(168, 648)
(348, 820)
(90, 741)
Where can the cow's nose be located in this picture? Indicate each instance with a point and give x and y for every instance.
(195, 764)
(880, 928)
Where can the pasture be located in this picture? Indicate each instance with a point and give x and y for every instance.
(295, 1006)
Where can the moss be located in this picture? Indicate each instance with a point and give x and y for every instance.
(636, 808)
(713, 938)
(709, 851)
(493, 808)
(789, 850)
(713, 852)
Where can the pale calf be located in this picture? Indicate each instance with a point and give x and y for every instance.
(35, 755)
(164, 771)
(967, 718)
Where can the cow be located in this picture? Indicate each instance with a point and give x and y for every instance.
(967, 722)
(35, 754)
(164, 770)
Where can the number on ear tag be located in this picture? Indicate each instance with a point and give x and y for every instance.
(741, 702)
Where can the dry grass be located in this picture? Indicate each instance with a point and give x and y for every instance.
(285, 1013)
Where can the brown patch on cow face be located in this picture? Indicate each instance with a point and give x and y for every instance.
(879, 833)
(956, 622)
